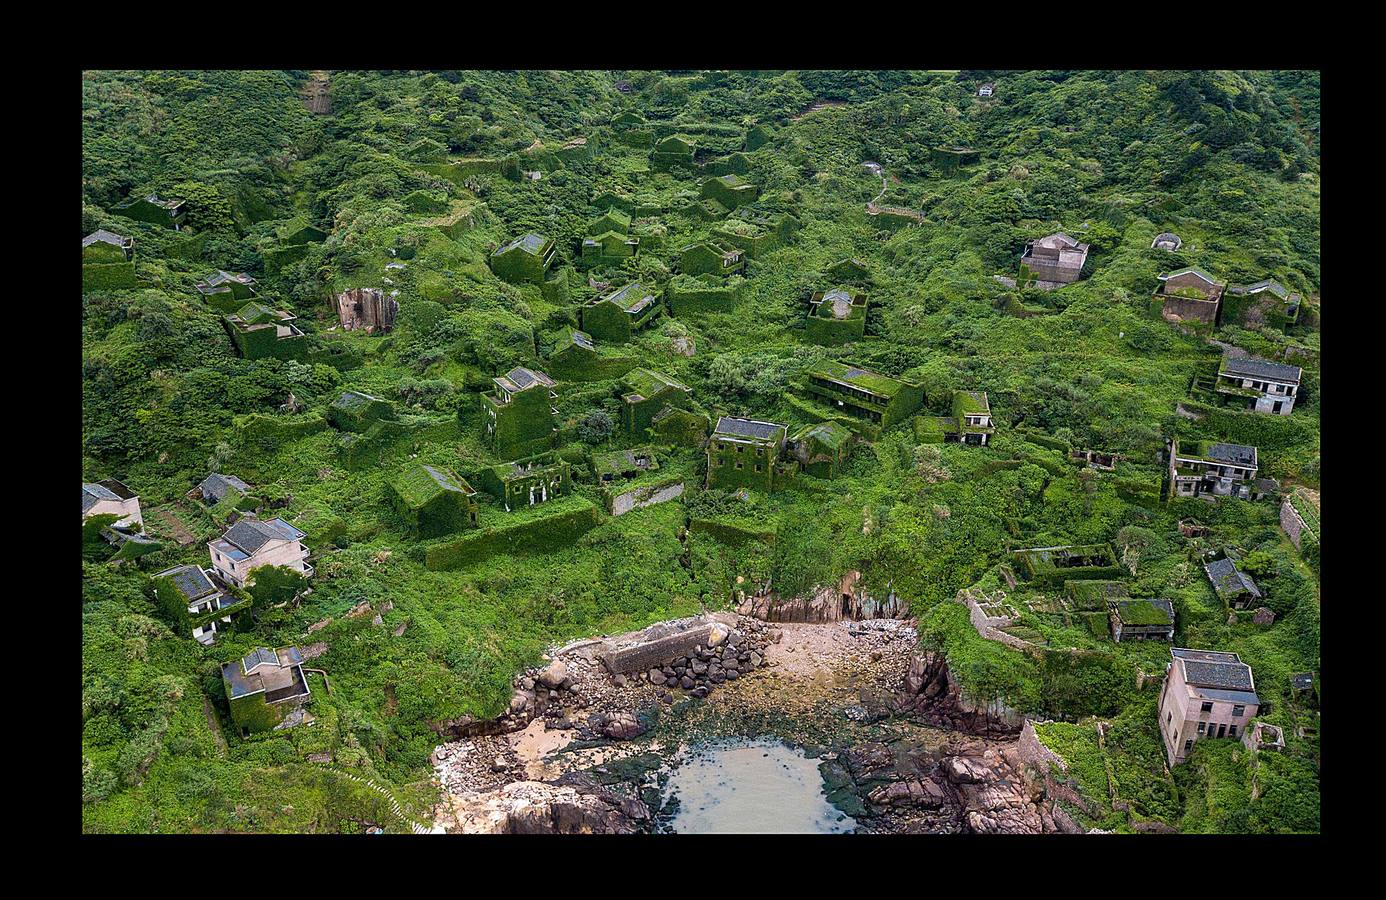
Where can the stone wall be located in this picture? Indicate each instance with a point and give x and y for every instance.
(1291, 521)
(656, 653)
(845, 600)
(989, 626)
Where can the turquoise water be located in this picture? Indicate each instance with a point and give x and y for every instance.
(762, 787)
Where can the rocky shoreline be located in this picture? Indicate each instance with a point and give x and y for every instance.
(588, 744)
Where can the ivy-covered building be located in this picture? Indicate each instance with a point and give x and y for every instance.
(1190, 295)
(821, 449)
(259, 332)
(673, 152)
(867, 395)
(1279, 304)
(616, 316)
(527, 258)
(433, 501)
(264, 687)
(1141, 620)
(1057, 565)
(609, 247)
(1053, 260)
(290, 243)
(356, 412)
(195, 597)
(645, 394)
(730, 191)
(1233, 586)
(971, 422)
(748, 453)
(674, 426)
(1212, 469)
(851, 270)
(836, 316)
(227, 291)
(615, 465)
(519, 413)
(706, 258)
(108, 262)
(527, 481)
(154, 210)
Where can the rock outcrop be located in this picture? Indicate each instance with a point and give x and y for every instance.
(580, 806)
(370, 309)
(931, 693)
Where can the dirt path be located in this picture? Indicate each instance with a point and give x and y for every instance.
(214, 724)
(175, 525)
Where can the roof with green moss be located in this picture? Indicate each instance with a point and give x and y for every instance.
(971, 403)
(647, 383)
(863, 379)
(829, 434)
(1143, 612)
(421, 484)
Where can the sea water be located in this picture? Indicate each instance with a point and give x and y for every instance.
(761, 787)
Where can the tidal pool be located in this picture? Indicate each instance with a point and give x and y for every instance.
(761, 787)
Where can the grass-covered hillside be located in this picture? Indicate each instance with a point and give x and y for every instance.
(415, 178)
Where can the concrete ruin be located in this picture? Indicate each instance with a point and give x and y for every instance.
(367, 308)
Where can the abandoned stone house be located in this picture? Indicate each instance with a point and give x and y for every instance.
(730, 191)
(369, 309)
(850, 269)
(263, 687)
(209, 601)
(972, 422)
(706, 258)
(1053, 260)
(1141, 620)
(433, 501)
(1190, 295)
(1212, 469)
(214, 488)
(1206, 694)
(527, 481)
(1265, 386)
(519, 411)
(259, 331)
(616, 316)
(1094, 459)
(836, 316)
(863, 394)
(821, 449)
(232, 286)
(108, 262)
(154, 210)
(109, 497)
(1233, 586)
(646, 393)
(747, 453)
(673, 151)
(103, 238)
(1284, 304)
(616, 465)
(527, 258)
(1068, 562)
(610, 245)
(1166, 240)
(251, 543)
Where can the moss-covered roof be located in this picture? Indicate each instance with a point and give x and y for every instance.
(1143, 612)
(419, 485)
(971, 403)
(648, 383)
(865, 379)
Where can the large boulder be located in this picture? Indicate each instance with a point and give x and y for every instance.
(532, 807)
(553, 675)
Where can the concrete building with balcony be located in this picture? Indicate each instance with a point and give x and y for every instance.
(209, 603)
(1206, 694)
(1263, 385)
(519, 412)
(870, 396)
(1212, 469)
(264, 687)
(252, 543)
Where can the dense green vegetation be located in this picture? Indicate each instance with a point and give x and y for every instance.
(424, 169)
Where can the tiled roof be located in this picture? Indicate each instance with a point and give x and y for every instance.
(1255, 367)
(1190, 270)
(106, 237)
(1224, 675)
(529, 243)
(252, 534)
(215, 485)
(1228, 580)
(749, 428)
(524, 378)
(1235, 454)
(190, 580)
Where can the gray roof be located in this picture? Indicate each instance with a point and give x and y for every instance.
(749, 428)
(266, 670)
(106, 237)
(1234, 454)
(1229, 580)
(1255, 367)
(445, 480)
(221, 276)
(215, 485)
(1269, 284)
(524, 378)
(529, 243)
(93, 494)
(1190, 270)
(252, 534)
(190, 580)
(1222, 672)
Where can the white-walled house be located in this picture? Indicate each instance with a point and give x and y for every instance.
(1268, 387)
(110, 497)
(252, 543)
(204, 595)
